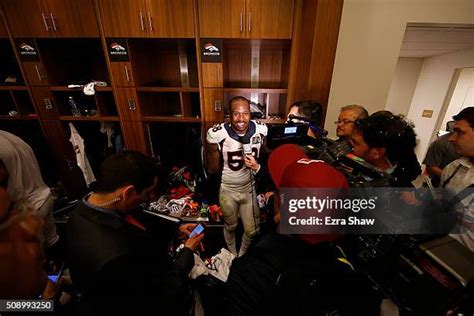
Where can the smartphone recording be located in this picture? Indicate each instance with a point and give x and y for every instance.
(197, 230)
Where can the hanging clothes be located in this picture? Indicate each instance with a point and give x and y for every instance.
(78, 145)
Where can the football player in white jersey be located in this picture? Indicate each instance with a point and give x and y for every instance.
(237, 144)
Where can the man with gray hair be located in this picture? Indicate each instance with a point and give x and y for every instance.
(345, 122)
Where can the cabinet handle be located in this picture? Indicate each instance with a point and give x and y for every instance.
(218, 105)
(126, 73)
(141, 21)
(132, 105)
(241, 21)
(40, 77)
(52, 20)
(46, 26)
(150, 21)
(218, 74)
(250, 22)
(48, 105)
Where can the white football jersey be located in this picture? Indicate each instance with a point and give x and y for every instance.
(235, 174)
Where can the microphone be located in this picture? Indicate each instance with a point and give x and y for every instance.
(247, 149)
(246, 146)
(318, 130)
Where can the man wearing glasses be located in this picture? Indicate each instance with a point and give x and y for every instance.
(345, 122)
(237, 144)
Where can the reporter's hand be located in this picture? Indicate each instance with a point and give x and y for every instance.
(410, 198)
(184, 230)
(194, 242)
(268, 195)
(52, 289)
(251, 162)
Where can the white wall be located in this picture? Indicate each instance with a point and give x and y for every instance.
(431, 92)
(462, 97)
(370, 37)
(403, 85)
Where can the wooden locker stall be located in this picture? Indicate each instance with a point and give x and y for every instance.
(149, 53)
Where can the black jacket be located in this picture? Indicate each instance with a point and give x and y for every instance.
(118, 269)
(282, 275)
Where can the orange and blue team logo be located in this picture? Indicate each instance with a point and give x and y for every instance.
(117, 47)
(211, 47)
(26, 47)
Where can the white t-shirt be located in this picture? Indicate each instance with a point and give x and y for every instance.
(463, 178)
(25, 181)
(235, 175)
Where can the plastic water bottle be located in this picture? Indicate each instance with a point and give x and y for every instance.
(73, 106)
(203, 210)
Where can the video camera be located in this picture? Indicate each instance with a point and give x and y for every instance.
(337, 153)
(288, 133)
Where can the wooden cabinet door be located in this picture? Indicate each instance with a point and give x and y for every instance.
(269, 18)
(128, 106)
(222, 18)
(122, 74)
(212, 75)
(73, 18)
(214, 105)
(210, 18)
(35, 74)
(124, 18)
(233, 18)
(134, 136)
(45, 105)
(28, 18)
(170, 18)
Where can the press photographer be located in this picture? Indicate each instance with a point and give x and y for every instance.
(302, 128)
(388, 142)
(382, 155)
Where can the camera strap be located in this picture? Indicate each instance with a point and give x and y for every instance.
(461, 196)
(451, 176)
